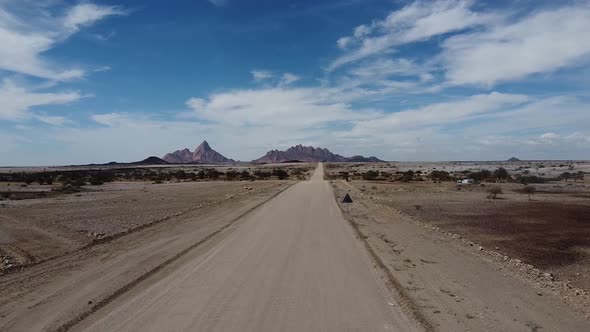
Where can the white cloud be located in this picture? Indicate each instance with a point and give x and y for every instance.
(282, 107)
(416, 22)
(382, 67)
(510, 125)
(17, 101)
(288, 78)
(439, 131)
(26, 37)
(440, 114)
(260, 75)
(85, 14)
(550, 137)
(344, 42)
(542, 42)
(112, 119)
(52, 119)
(102, 69)
(560, 139)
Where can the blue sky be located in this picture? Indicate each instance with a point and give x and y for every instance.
(84, 81)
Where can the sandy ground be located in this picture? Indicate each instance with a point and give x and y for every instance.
(34, 230)
(455, 286)
(59, 291)
(550, 231)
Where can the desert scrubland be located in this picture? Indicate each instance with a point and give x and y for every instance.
(539, 235)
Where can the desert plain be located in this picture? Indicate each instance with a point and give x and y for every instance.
(445, 254)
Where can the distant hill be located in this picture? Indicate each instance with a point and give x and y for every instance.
(203, 154)
(361, 159)
(146, 162)
(150, 161)
(513, 159)
(308, 154)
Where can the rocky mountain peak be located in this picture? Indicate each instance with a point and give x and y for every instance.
(204, 146)
(203, 154)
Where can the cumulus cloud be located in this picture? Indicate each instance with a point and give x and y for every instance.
(478, 47)
(443, 113)
(282, 107)
(25, 37)
(85, 14)
(383, 68)
(539, 43)
(36, 28)
(416, 22)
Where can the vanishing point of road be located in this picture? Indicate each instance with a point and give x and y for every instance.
(293, 264)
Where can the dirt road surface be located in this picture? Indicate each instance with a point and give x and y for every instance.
(293, 265)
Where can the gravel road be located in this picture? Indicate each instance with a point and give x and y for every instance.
(293, 265)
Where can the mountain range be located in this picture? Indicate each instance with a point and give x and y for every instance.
(204, 154)
(308, 154)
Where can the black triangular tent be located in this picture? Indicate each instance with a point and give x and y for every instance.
(347, 199)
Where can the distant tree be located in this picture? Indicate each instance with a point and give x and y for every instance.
(501, 173)
(493, 192)
(578, 176)
(566, 176)
(529, 190)
(345, 176)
